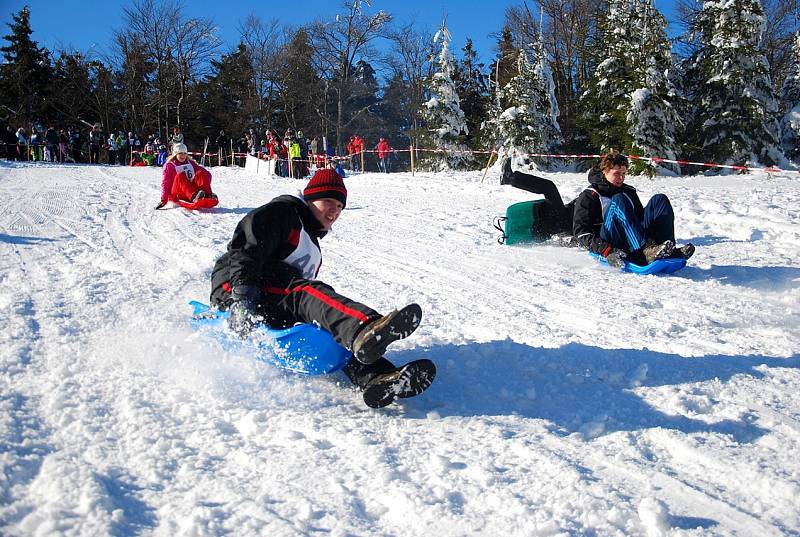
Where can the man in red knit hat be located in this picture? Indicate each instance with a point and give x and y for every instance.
(268, 275)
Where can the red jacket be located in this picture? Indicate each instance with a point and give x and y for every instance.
(384, 148)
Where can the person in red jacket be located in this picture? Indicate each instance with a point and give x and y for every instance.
(269, 275)
(358, 147)
(384, 152)
(183, 178)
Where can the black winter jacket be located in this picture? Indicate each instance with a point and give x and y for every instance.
(271, 246)
(587, 219)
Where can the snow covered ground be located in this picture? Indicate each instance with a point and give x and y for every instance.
(571, 398)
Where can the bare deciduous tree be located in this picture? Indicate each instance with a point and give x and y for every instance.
(195, 46)
(179, 49)
(264, 42)
(568, 35)
(410, 61)
(338, 44)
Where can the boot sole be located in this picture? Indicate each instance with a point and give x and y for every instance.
(412, 379)
(398, 325)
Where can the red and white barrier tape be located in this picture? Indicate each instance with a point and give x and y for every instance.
(652, 160)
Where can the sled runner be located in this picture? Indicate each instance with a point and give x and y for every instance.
(304, 348)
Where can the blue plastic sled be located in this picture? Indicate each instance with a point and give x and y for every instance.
(659, 266)
(304, 348)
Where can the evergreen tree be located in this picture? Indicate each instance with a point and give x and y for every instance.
(365, 97)
(228, 94)
(299, 83)
(26, 74)
(652, 118)
(629, 103)
(393, 108)
(606, 102)
(71, 77)
(790, 95)
(736, 102)
(545, 103)
(505, 65)
(442, 114)
(472, 88)
(526, 118)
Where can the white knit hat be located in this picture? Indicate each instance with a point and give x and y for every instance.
(179, 148)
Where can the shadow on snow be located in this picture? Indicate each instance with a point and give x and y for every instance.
(18, 239)
(583, 389)
(767, 278)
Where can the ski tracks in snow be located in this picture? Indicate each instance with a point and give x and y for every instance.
(570, 397)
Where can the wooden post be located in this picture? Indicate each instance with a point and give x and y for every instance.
(411, 152)
(231, 152)
(488, 164)
(362, 160)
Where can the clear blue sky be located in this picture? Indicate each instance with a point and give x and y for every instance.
(86, 24)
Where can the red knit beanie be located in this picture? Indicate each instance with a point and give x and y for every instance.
(326, 183)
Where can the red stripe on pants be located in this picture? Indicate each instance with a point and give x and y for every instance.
(323, 297)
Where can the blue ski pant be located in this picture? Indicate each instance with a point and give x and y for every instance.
(623, 229)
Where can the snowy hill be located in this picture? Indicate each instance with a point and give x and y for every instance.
(571, 398)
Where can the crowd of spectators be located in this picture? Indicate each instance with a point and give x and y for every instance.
(92, 146)
(294, 154)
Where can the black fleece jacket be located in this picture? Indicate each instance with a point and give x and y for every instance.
(263, 239)
(587, 219)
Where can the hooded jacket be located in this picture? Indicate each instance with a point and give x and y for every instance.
(271, 246)
(590, 208)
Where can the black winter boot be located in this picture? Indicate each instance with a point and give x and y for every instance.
(407, 381)
(684, 252)
(657, 250)
(506, 172)
(371, 342)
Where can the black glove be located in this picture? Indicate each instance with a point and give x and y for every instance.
(243, 313)
(616, 258)
(160, 205)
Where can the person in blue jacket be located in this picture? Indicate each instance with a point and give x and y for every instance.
(161, 159)
(609, 219)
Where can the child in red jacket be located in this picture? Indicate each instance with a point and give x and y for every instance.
(184, 179)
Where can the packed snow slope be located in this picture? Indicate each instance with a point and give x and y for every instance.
(571, 399)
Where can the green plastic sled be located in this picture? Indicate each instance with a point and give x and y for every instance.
(523, 223)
